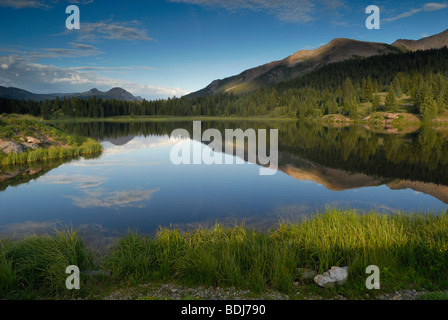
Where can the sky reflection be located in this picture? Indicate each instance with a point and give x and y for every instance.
(135, 186)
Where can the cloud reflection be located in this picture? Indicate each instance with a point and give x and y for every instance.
(119, 199)
(139, 143)
(83, 181)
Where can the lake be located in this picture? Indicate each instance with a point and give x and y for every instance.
(133, 185)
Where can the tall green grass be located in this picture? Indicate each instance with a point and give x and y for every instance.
(407, 248)
(36, 266)
(89, 147)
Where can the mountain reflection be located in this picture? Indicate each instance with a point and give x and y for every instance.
(340, 158)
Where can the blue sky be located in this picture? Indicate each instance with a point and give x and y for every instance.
(158, 49)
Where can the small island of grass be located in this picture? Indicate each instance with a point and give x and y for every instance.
(25, 139)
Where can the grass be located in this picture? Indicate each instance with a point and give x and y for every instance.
(411, 250)
(35, 266)
(58, 145)
(88, 147)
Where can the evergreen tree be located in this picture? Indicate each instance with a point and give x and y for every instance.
(376, 103)
(391, 103)
(367, 92)
(397, 88)
(348, 92)
(430, 109)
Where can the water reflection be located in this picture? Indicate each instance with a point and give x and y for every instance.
(420, 154)
(110, 199)
(134, 185)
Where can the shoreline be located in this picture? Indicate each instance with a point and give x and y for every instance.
(377, 118)
(409, 249)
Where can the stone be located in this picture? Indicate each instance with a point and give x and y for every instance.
(366, 118)
(390, 116)
(306, 274)
(30, 145)
(33, 140)
(334, 276)
(10, 147)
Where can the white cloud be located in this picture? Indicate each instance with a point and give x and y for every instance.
(109, 30)
(434, 6)
(431, 6)
(296, 11)
(41, 78)
(77, 50)
(39, 4)
(22, 4)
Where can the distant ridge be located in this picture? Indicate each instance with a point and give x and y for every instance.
(437, 41)
(305, 61)
(114, 93)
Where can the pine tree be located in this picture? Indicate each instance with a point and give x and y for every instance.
(391, 103)
(45, 109)
(376, 103)
(354, 110)
(367, 91)
(397, 88)
(430, 109)
(376, 86)
(348, 92)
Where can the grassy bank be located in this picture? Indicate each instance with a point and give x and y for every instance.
(411, 250)
(88, 146)
(53, 143)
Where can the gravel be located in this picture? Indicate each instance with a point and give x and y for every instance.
(151, 291)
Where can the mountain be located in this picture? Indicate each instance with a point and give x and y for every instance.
(120, 141)
(114, 93)
(16, 93)
(305, 61)
(437, 41)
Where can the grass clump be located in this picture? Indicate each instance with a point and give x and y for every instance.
(56, 144)
(408, 248)
(411, 251)
(88, 147)
(35, 266)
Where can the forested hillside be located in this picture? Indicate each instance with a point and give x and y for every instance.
(350, 88)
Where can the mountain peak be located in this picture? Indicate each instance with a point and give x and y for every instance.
(305, 61)
(436, 41)
(117, 90)
(114, 93)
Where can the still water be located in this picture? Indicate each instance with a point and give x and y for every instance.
(133, 185)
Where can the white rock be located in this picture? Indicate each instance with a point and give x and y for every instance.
(33, 140)
(335, 275)
(10, 147)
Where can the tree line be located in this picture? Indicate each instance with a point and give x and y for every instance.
(351, 88)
